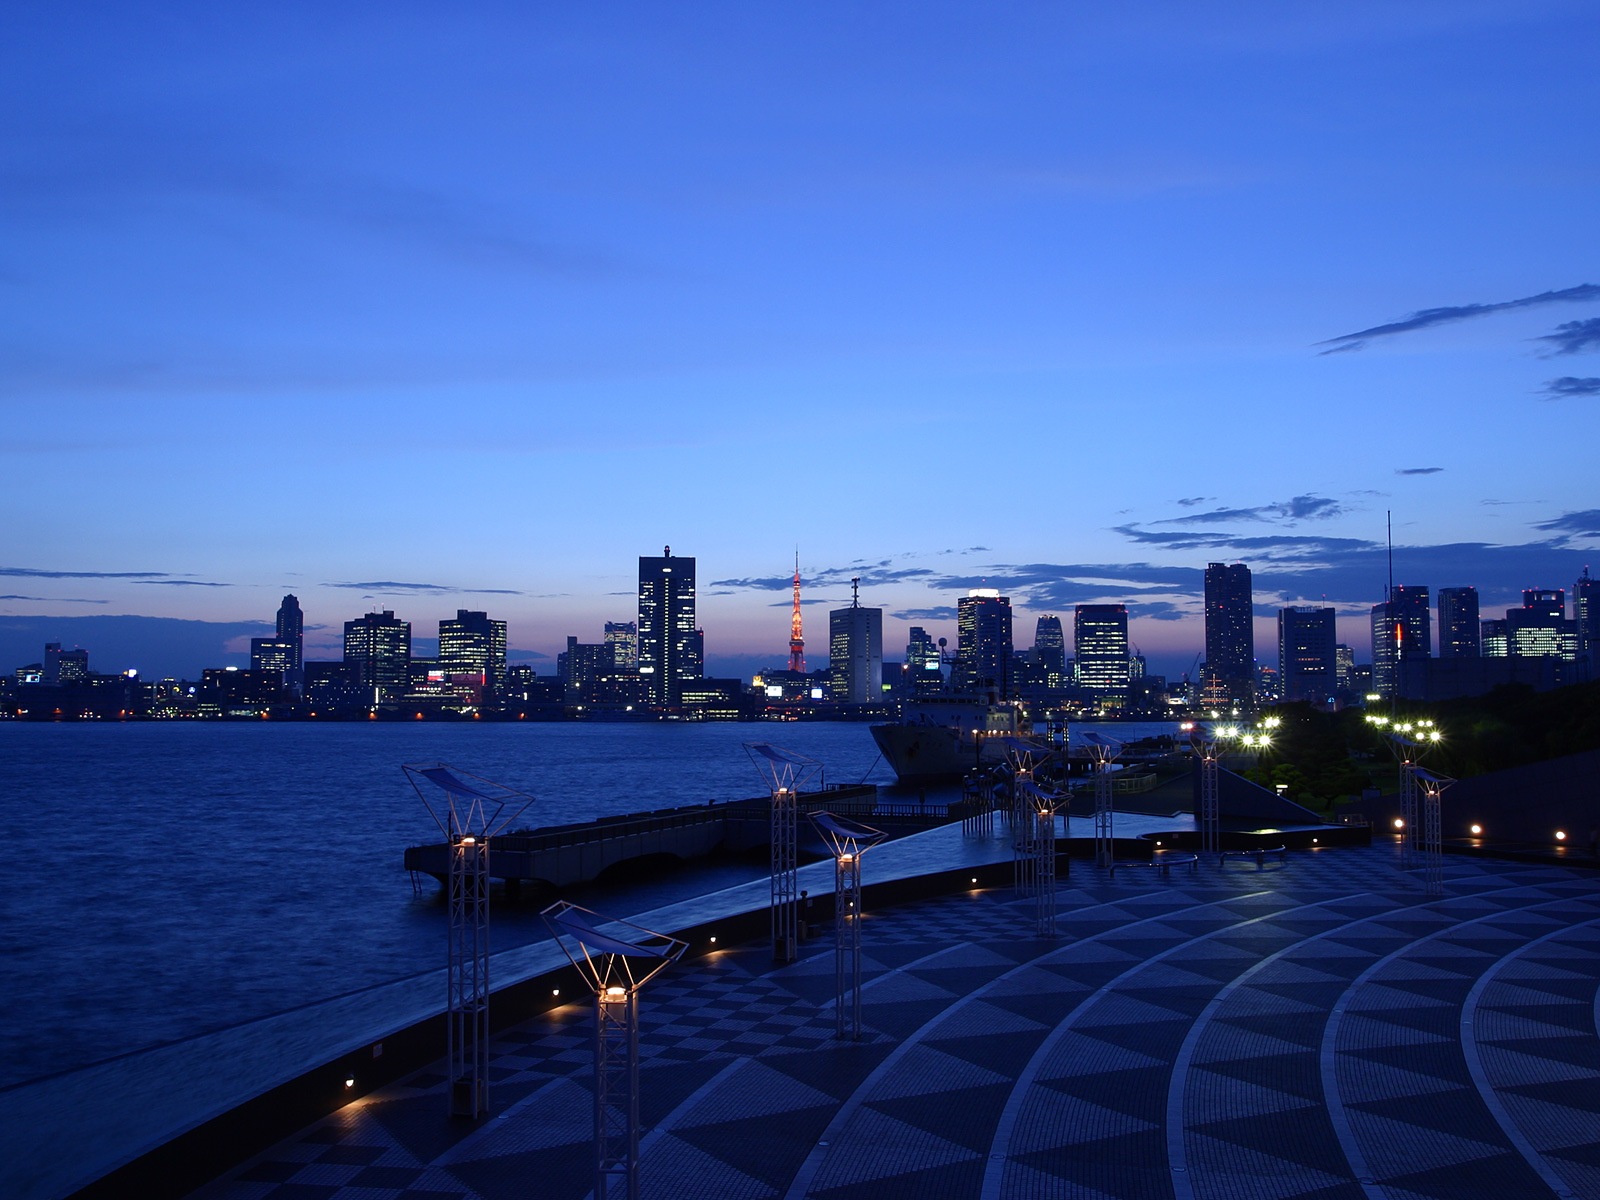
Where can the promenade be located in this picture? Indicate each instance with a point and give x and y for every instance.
(1321, 1029)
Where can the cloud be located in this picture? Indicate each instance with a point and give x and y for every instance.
(180, 583)
(1418, 470)
(1574, 524)
(1191, 501)
(34, 573)
(1574, 337)
(1300, 508)
(939, 612)
(1428, 317)
(390, 587)
(54, 600)
(880, 575)
(1571, 385)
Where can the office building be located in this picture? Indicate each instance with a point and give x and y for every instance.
(291, 632)
(474, 644)
(1492, 639)
(1100, 646)
(1402, 631)
(274, 658)
(855, 652)
(1344, 668)
(581, 667)
(922, 662)
(1228, 676)
(671, 648)
(623, 638)
(1586, 620)
(1308, 657)
(1540, 629)
(65, 667)
(379, 646)
(1460, 629)
(1050, 653)
(983, 643)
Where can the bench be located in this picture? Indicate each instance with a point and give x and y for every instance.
(1259, 854)
(1162, 863)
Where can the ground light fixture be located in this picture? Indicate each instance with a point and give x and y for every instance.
(847, 840)
(784, 772)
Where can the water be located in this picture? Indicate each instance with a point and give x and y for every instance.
(170, 878)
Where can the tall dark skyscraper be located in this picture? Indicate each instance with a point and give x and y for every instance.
(1402, 631)
(1050, 652)
(380, 648)
(670, 647)
(983, 647)
(1230, 674)
(1460, 626)
(1100, 645)
(1586, 620)
(922, 661)
(291, 630)
(855, 653)
(1307, 656)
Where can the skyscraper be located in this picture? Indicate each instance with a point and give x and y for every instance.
(1100, 644)
(1586, 620)
(1307, 655)
(922, 661)
(623, 638)
(380, 648)
(670, 647)
(1050, 652)
(855, 652)
(1402, 631)
(291, 631)
(1540, 629)
(1229, 675)
(474, 644)
(1460, 630)
(273, 658)
(983, 646)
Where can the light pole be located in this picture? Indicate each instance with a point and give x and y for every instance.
(469, 811)
(1042, 808)
(1432, 787)
(848, 840)
(1104, 751)
(784, 772)
(615, 962)
(1023, 757)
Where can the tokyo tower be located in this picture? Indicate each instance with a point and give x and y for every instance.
(797, 641)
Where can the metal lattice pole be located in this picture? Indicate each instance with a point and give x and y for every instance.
(616, 962)
(1022, 837)
(784, 772)
(1408, 813)
(1044, 909)
(468, 811)
(1104, 816)
(1210, 803)
(468, 977)
(1432, 846)
(848, 840)
(616, 1094)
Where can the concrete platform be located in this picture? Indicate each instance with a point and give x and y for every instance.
(1321, 1029)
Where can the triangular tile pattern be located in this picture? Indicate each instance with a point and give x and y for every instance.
(963, 1002)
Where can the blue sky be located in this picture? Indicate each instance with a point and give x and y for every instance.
(398, 307)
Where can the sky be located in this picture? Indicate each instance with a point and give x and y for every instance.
(420, 308)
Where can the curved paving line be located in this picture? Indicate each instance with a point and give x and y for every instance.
(999, 1147)
(801, 1183)
(1480, 1077)
(1330, 1034)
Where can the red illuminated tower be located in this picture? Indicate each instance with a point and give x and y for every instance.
(797, 643)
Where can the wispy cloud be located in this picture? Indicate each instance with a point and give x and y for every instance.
(1300, 508)
(54, 600)
(1571, 385)
(1574, 524)
(878, 574)
(180, 583)
(1574, 337)
(1428, 317)
(938, 612)
(1418, 470)
(36, 573)
(394, 588)
(1191, 501)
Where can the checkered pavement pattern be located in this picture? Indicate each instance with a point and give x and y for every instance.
(1318, 1029)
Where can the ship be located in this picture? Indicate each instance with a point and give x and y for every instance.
(942, 737)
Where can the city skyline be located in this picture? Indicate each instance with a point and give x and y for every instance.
(1064, 304)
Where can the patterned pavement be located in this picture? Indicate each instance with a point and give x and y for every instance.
(1318, 1030)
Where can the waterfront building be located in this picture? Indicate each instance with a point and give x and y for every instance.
(671, 648)
(581, 667)
(926, 674)
(983, 645)
(1100, 647)
(623, 638)
(855, 652)
(475, 644)
(332, 686)
(380, 647)
(291, 631)
(1402, 631)
(1460, 631)
(1050, 653)
(1586, 619)
(1307, 654)
(65, 667)
(1228, 676)
(274, 658)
